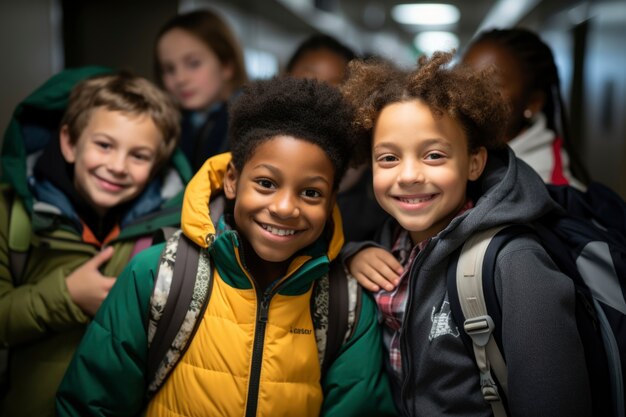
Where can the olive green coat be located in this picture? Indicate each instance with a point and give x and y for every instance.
(39, 323)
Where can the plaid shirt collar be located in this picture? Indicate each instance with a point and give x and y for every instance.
(392, 304)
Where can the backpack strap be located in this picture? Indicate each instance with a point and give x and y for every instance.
(336, 306)
(477, 322)
(20, 231)
(184, 278)
(163, 234)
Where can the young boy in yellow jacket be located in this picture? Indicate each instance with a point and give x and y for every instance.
(254, 351)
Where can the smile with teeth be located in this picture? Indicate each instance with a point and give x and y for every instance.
(278, 232)
(416, 200)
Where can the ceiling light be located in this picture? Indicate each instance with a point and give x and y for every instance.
(429, 42)
(426, 14)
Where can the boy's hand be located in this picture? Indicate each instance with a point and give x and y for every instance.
(374, 268)
(87, 286)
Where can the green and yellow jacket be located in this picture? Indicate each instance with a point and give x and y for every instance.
(39, 323)
(226, 371)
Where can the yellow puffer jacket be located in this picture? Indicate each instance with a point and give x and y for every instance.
(254, 352)
(266, 347)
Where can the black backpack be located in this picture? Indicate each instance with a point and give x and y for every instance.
(335, 307)
(588, 243)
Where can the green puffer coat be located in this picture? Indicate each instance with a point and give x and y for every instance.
(39, 323)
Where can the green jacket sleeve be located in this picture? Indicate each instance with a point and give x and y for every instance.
(356, 383)
(31, 310)
(106, 375)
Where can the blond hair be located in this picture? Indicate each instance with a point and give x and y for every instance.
(129, 94)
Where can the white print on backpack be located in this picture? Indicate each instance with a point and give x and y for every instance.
(442, 322)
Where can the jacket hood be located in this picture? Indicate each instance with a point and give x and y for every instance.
(196, 220)
(508, 192)
(35, 123)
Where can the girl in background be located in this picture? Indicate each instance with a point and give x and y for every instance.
(529, 81)
(199, 61)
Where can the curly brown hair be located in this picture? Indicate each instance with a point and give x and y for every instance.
(465, 95)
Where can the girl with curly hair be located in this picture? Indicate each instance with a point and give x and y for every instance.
(442, 170)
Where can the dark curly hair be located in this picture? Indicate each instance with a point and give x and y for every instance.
(464, 95)
(303, 108)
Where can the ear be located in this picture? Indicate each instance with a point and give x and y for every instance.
(228, 71)
(67, 148)
(230, 181)
(477, 162)
(536, 101)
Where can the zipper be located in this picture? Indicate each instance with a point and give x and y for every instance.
(404, 346)
(257, 352)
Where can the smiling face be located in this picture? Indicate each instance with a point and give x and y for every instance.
(192, 72)
(283, 198)
(113, 157)
(421, 165)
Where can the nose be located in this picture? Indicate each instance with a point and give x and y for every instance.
(411, 172)
(179, 75)
(284, 205)
(116, 164)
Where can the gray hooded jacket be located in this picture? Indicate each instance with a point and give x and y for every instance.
(541, 345)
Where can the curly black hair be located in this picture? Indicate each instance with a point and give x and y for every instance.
(464, 95)
(303, 108)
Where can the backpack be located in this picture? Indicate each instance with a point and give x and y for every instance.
(184, 278)
(587, 242)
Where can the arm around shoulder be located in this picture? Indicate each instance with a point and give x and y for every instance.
(356, 383)
(106, 375)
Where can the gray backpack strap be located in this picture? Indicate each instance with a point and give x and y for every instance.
(336, 307)
(478, 324)
(163, 234)
(180, 295)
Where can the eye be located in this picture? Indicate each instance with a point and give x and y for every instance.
(103, 145)
(386, 160)
(434, 156)
(310, 193)
(194, 63)
(142, 157)
(265, 183)
(168, 69)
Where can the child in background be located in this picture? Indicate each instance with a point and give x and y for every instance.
(324, 58)
(271, 233)
(93, 192)
(198, 60)
(527, 75)
(442, 171)
(321, 57)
